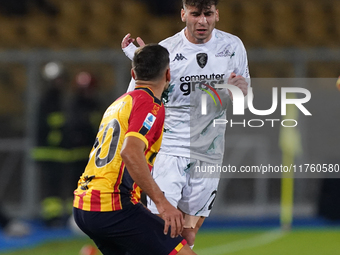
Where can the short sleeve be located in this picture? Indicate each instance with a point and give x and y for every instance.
(142, 119)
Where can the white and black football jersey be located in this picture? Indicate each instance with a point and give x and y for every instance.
(195, 70)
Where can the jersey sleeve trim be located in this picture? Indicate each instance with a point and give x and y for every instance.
(140, 136)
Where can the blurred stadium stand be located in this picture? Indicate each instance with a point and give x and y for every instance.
(103, 23)
(284, 38)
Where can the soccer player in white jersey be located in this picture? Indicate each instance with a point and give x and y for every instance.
(201, 56)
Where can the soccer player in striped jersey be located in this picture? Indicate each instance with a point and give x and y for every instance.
(201, 56)
(107, 201)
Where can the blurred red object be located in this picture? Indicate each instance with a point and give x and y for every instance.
(85, 80)
(88, 249)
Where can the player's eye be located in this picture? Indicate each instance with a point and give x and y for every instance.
(195, 14)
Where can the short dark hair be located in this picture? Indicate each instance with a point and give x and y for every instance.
(150, 61)
(200, 4)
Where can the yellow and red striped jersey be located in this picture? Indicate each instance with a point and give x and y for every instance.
(106, 184)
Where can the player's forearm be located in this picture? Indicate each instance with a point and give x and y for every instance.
(138, 169)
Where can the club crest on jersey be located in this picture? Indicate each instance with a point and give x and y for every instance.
(202, 59)
(149, 121)
(155, 110)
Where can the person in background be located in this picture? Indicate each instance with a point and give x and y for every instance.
(52, 148)
(83, 118)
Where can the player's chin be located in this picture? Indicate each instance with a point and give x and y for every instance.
(201, 37)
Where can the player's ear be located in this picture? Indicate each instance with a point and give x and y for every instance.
(217, 15)
(183, 15)
(168, 77)
(133, 75)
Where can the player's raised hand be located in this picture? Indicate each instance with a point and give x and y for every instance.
(140, 42)
(172, 217)
(239, 81)
(128, 39)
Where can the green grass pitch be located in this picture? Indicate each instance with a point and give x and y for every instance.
(268, 242)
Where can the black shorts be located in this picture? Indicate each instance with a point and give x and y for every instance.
(134, 229)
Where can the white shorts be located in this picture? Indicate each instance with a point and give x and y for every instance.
(192, 195)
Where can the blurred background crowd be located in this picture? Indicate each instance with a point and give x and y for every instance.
(53, 24)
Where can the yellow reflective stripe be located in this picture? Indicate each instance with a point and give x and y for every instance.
(52, 207)
(80, 153)
(56, 119)
(60, 155)
(54, 137)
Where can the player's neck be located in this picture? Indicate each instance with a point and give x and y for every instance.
(154, 86)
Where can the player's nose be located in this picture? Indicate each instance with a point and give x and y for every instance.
(202, 19)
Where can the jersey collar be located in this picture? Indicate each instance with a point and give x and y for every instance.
(150, 92)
